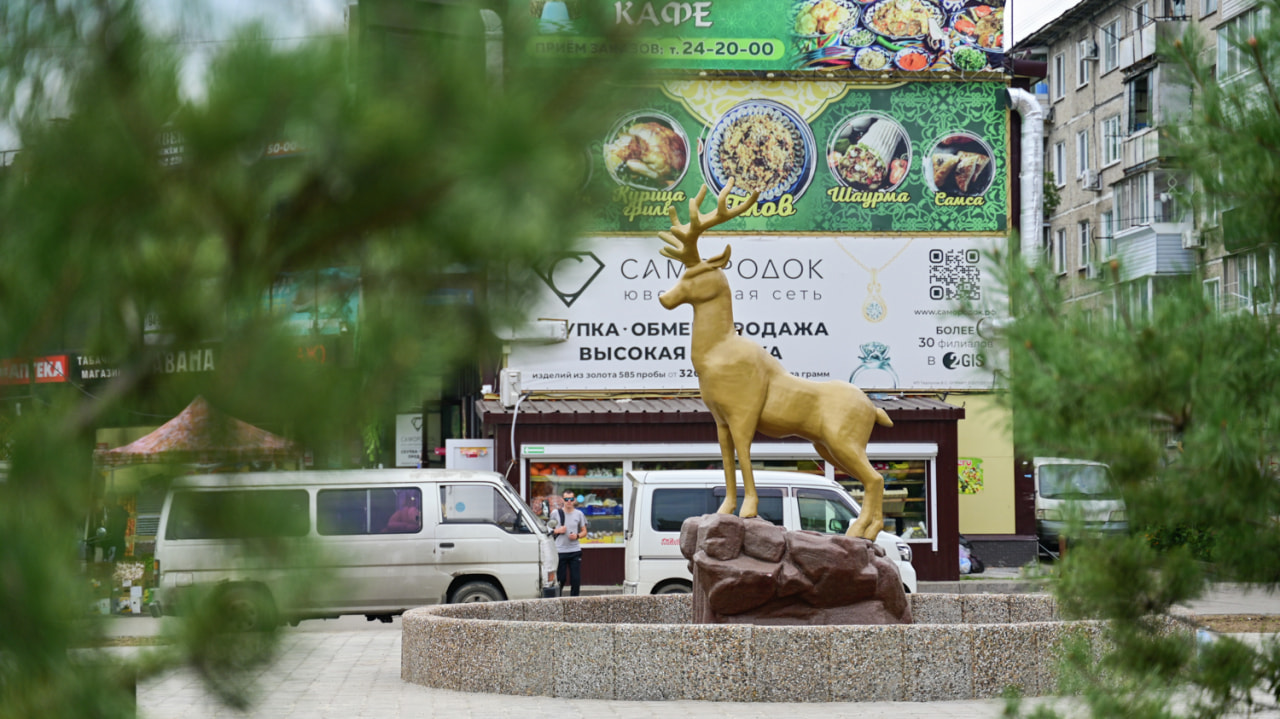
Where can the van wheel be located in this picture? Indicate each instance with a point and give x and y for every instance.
(475, 592)
(243, 609)
(674, 588)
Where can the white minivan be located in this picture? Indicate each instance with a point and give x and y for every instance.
(380, 541)
(661, 500)
(1075, 489)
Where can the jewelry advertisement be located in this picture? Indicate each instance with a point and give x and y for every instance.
(881, 312)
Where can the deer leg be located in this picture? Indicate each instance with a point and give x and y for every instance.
(730, 502)
(872, 518)
(750, 500)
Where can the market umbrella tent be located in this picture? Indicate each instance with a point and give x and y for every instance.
(201, 435)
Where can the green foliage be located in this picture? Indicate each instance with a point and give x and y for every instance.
(1180, 404)
(1197, 540)
(1052, 198)
(1183, 403)
(414, 170)
(1229, 138)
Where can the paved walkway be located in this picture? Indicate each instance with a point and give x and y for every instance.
(350, 669)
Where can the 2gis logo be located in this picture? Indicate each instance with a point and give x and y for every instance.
(954, 360)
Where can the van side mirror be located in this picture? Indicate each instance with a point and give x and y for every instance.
(837, 526)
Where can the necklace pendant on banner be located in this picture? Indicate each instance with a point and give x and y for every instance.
(874, 308)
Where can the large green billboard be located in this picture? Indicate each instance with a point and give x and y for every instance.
(825, 156)
(876, 36)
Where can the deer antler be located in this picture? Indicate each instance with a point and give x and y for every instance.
(683, 238)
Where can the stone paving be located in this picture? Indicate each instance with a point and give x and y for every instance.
(350, 669)
(356, 674)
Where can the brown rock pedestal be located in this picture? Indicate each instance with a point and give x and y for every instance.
(748, 571)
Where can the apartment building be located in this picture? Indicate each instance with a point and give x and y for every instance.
(1107, 96)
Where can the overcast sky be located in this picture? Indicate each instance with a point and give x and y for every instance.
(1027, 16)
(202, 25)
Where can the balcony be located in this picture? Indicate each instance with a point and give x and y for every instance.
(1153, 249)
(1141, 44)
(1141, 148)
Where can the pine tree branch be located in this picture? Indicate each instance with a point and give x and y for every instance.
(1256, 52)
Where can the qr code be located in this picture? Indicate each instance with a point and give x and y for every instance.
(954, 275)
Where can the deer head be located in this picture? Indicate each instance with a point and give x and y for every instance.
(682, 245)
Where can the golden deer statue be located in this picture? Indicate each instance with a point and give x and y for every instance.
(748, 390)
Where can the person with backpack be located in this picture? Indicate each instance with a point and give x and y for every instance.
(572, 526)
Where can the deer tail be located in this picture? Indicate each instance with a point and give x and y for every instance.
(882, 418)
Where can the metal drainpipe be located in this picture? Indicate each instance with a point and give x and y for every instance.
(492, 47)
(1031, 179)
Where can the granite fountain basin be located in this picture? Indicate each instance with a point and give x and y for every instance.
(645, 648)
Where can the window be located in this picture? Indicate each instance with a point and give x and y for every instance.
(1086, 54)
(1085, 255)
(1138, 296)
(906, 495)
(1232, 60)
(1112, 140)
(1213, 293)
(599, 484)
(1060, 251)
(1175, 8)
(1111, 46)
(672, 506)
(1076, 481)
(1142, 199)
(1208, 6)
(822, 510)
(1134, 197)
(239, 514)
(1060, 163)
(369, 511)
(478, 504)
(1106, 225)
(1140, 103)
(1082, 153)
(1059, 76)
(1243, 275)
(1141, 14)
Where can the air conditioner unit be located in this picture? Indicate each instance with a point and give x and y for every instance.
(1091, 51)
(1091, 180)
(1048, 115)
(509, 387)
(1192, 239)
(1093, 271)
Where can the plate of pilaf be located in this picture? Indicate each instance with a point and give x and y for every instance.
(762, 145)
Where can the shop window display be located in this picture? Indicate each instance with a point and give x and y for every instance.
(599, 484)
(906, 490)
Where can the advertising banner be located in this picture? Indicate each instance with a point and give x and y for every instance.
(825, 156)
(409, 440)
(38, 370)
(884, 37)
(878, 311)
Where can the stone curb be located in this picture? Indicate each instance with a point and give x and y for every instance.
(962, 646)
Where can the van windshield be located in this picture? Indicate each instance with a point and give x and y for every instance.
(1076, 481)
